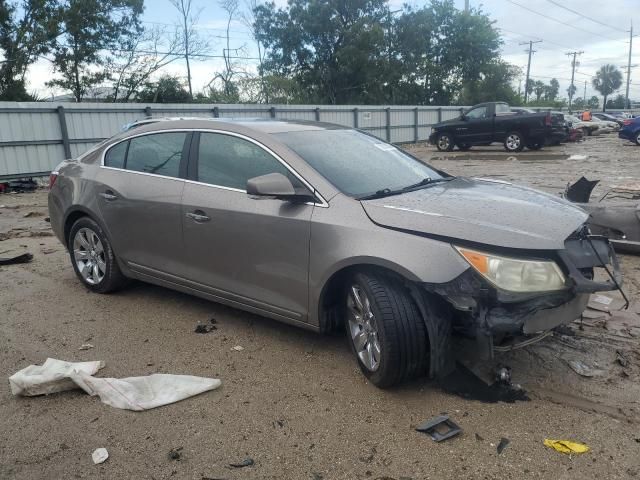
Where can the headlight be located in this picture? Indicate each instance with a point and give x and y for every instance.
(513, 274)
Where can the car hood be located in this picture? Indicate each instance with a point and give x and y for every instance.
(482, 211)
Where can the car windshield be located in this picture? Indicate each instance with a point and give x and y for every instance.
(358, 164)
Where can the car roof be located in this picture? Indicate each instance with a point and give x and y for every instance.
(261, 125)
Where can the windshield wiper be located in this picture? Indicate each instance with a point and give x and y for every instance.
(387, 192)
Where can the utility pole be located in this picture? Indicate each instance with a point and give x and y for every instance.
(626, 96)
(526, 83)
(466, 6)
(573, 72)
(584, 97)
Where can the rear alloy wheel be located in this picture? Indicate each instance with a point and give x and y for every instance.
(385, 330)
(444, 142)
(514, 142)
(92, 257)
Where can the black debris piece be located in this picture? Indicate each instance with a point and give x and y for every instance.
(24, 258)
(207, 327)
(440, 428)
(479, 438)
(464, 383)
(502, 445)
(580, 191)
(247, 462)
(174, 454)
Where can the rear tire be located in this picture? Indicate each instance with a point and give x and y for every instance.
(92, 257)
(385, 329)
(514, 142)
(444, 142)
(637, 138)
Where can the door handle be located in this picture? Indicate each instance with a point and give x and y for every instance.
(198, 216)
(109, 196)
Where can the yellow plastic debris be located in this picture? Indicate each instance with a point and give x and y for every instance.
(566, 446)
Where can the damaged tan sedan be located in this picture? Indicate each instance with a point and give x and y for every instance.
(326, 227)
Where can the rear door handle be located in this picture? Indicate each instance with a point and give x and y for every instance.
(109, 196)
(198, 216)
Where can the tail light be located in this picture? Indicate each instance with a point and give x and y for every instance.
(53, 176)
(628, 121)
(547, 120)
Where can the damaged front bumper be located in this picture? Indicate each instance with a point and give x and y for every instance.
(483, 309)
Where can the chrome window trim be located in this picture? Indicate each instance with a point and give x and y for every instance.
(323, 203)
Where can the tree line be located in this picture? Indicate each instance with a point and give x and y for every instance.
(309, 51)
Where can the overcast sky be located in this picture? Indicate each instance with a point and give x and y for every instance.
(603, 37)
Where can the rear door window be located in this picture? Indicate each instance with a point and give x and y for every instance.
(159, 153)
(116, 155)
(229, 161)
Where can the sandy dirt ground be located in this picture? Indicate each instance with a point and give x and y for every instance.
(294, 401)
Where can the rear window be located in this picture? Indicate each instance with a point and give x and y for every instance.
(116, 156)
(159, 153)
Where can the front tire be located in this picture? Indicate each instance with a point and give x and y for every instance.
(385, 329)
(444, 142)
(514, 142)
(92, 257)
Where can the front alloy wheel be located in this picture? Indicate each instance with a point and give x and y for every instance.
(444, 142)
(363, 329)
(385, 329)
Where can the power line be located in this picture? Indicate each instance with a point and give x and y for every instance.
(584, 16)
(534, 36)
(560, 21)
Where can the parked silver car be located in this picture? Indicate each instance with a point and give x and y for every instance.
(326, 227)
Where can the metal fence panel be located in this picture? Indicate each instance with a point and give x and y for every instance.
(36, 136)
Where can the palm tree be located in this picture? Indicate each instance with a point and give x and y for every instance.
(608, 79)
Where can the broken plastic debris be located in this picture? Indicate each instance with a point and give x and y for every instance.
(99, 455)
(85, 346)
(578, 157)
(24, 258)
(247, 462)
(50, 377)
(566, 446)
(583, 369)
(439, 428)
(237, 348)
(502, 445)
(134, 393)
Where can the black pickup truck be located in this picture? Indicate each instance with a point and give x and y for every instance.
(490, 122)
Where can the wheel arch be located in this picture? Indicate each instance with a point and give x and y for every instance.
(334, 279)
(73, 214)
(429, 305)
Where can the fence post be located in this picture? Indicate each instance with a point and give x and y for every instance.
(317, 110)
(388, 115)
(439, 114)
(355, 117)
(147, 111)
(272, 112)
(65, 133)
(216, 112)
(415, 125)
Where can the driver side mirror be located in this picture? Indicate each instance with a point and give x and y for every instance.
(275, 185)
